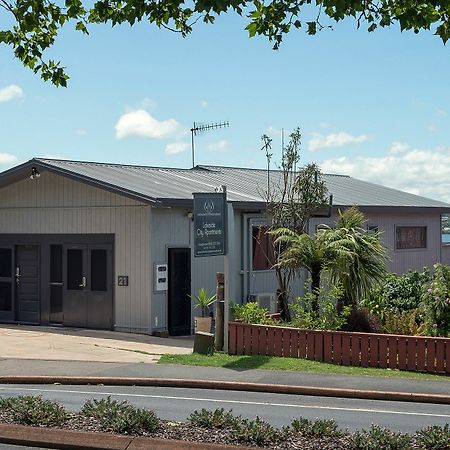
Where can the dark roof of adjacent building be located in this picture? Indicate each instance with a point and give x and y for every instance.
(159, 185)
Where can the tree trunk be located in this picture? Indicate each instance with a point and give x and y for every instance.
(315, 287)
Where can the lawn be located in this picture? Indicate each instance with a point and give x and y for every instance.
(293, 364)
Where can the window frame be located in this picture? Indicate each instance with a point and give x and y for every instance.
(253, 226)
(414, 249)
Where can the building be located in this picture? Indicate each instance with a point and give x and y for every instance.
(110, 246)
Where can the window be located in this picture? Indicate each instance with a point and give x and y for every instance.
(372, 229)
(410, 237)
(262, 249)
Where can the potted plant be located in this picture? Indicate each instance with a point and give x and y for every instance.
(203, 300)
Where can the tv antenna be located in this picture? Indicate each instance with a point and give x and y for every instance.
(200, 128)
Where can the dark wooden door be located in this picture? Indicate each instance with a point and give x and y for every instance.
(27, 283)
(179, 302)
(6, 284)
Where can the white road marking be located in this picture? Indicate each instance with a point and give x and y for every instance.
(237, 402)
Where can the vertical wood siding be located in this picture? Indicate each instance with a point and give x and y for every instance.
(403, 260)
(55, 204)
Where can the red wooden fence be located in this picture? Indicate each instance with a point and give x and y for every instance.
(417, 353)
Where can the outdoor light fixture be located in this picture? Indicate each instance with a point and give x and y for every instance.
(34, 173)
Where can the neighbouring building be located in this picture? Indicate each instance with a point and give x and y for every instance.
(83, 244)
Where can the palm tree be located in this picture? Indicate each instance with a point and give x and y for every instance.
(354, 257)
(302, 250)
(359, 256)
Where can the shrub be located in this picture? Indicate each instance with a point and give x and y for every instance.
(328, 317)
(316, 428)
(436, 302)
(378, 438)
(251, 313)
(403, 292)
(219, 418)
(32, 410)
(121, 417)
(434, 437)
(255, 432)
(364, 321)
(406, 322)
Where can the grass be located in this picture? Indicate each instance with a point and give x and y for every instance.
(292, 364)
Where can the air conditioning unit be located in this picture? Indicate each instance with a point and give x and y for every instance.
(266, 300)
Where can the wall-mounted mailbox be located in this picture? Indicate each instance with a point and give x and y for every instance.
(161, 277)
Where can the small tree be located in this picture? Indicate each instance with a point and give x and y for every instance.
(292, 198)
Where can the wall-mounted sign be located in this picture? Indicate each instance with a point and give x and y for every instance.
(210, 224)
(122, 280)
(161, 277)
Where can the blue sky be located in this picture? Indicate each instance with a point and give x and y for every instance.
(375, 106)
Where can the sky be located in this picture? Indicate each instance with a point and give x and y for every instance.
(375, 106)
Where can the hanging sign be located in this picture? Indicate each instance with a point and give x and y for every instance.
(210, 224)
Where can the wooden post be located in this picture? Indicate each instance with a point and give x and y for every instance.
(219, 311)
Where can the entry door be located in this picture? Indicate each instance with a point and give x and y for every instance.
(87, 295)
(26, 276)
(179, 302)
(6, 284)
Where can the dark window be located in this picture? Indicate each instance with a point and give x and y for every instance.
(262, 249)
(410, 237)
(74, 269)
(56, 270)
(55, 303)
(5, 262)
(5, 296)
(99, 270)
(372, 229)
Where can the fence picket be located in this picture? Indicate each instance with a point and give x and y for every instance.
(419, 353)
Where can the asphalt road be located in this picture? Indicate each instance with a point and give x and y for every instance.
(278, 409)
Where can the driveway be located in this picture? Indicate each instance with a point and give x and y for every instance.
(76, 344)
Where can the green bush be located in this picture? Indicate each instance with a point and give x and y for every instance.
(378, 438)
(434, 437)
(436, 302)
(405, 322)
(32, 410)
(255, 432)
(316, 428)
(397, 294)
(251, 313)
(219, 418)
(121, 417)
(328, 317)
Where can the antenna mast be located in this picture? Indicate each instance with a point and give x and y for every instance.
(201, 127)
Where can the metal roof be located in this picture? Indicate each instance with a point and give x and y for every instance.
(163, 185)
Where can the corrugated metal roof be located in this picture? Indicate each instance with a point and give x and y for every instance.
(243, 185)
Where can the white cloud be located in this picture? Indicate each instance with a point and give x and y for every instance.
(419, 171)
(333, 140)
(218, 146)
(324, 125)
(432, 128)
(204, 104)
(10, 92)
(140, 123)
(7, 158)
(398, 147)
(176, 147)
(81, 132)
(441, 113)
(273, 131)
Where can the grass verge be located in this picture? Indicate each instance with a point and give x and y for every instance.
(292, 364)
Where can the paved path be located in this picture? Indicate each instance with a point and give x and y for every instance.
(73, 344)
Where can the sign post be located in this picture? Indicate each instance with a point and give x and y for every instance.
(210, 238)
(210, 224)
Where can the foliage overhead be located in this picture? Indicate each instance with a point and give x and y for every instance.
(35, 24)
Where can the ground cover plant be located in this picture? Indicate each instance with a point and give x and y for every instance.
(217, 426)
